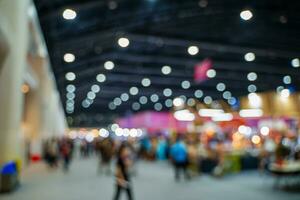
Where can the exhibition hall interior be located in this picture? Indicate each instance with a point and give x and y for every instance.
(150, 99)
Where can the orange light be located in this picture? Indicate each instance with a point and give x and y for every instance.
(255, 139)
(25, 88)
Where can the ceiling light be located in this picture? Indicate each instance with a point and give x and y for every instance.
(279, 89)
(221, 87)
(287, 79)
(169, 103)
(185, 84)
(252, 76)
(252, 88)
(295, 62)
(198, 93)
(112, 106)
(285, 93)
(101, 78)
(232, 101)
(154, 98)
(166, 70)
(95, 88)
(91, 95)
(133, 90)
(167, 92)
(158, 106)
(246, 15)
(117, 101)
(70, 76)
(136, 106)
(70, 88)
(193, 50)
(70, 96)
(146, 82)
(69, 14)
(124, 97)
(208, 100)
(109, 65)
(211, 73)
(249, 57)
(178, 102)
(191, 102)
(226, 95)
(86, 104)
(123, 42)
(68, 57)
(143, 100)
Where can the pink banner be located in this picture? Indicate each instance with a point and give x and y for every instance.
(201, 70)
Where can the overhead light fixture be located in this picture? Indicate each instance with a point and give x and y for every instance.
(70, 76)
(69, 57)
(251, 113)
(287, 79)
(158, 106)
(69, 14)
(207, 100)
(95, 88)
(101, 78)
(246, 15)
(249, 57)
(285, 93)
(178, 102)
(136, 106)
(154, 98)
(185, 84)
(166, 70)
(167, 92)
(252, 76)
(221, 87)
(211, 73)
(295, 62)
(198, 93)
(184, 115)
(123, 42)
(70, 88)
(143, 100)
(133, 90)
(193, 50)
(146, 82)
(124, 97)
(210, 112)
(109, 65)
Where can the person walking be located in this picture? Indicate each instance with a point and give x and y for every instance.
(179, 158)
(122, 173)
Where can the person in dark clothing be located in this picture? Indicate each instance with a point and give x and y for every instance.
(122, 173)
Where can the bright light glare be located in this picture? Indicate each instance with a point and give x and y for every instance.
(249, 57)
(285, 93)
(109, 65)
(222, 117)
(193, 50)
(166, 70)
(255, 139)
(178, 102)
(251, 113)
(265, 130)
(210, 112)
(246, 15)
(254, 100)
(296, 62)
(69, 14)
(184, 115)
(123, 42)
(68, 57)
(70, 76)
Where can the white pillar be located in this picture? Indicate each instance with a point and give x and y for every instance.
(14, 26)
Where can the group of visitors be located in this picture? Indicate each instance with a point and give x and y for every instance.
(55, 150)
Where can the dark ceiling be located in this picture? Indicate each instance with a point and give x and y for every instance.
(160, 31)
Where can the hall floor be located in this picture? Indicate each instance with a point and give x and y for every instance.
(153, 181)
